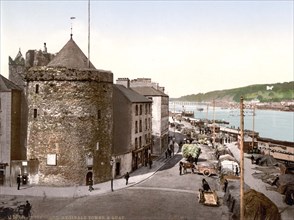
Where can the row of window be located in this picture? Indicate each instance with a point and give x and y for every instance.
(139, 142)
(139, 109)
(147, 125)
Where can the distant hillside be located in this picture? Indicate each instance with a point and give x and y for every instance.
(263, 92)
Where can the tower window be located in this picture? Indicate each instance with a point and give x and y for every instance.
(99, 114)
(37, 88)
(35, 113)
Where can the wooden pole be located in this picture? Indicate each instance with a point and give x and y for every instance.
(174, 119)
(241, 160)
(213, 123)
(253, 122)
(206, 113)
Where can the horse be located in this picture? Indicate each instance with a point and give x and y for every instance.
(188, 166)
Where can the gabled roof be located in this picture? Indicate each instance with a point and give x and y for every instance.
(148, 91)
(71, 57)
(7, 85)
(131, 95)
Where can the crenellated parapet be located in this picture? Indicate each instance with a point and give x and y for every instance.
(64, 74)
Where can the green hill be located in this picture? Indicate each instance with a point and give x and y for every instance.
(262, 92)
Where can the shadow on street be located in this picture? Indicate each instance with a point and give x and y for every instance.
(172, 162)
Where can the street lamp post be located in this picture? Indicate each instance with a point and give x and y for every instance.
(111, 164)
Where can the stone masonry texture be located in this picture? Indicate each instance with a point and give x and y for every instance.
(70, 116)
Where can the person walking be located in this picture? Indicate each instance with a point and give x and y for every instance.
(236, 171)
(169, 152)
(252, 159)
(150, 163)
(181, 167)
(225, 185)
(172, 149)
(91, 185)
(127, 176)
(18, 179)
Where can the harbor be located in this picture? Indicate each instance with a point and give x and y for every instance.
(268, 164)
(273, 124)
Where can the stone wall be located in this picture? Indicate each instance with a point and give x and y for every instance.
(70, 116)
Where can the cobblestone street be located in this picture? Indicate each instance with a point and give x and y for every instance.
(165, 195)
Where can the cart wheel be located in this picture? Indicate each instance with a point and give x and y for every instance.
(206, 173)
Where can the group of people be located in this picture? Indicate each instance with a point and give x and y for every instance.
(24, 209)
(21, 179)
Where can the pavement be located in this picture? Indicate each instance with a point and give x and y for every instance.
(136, 177)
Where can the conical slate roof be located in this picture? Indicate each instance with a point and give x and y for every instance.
(71, 56)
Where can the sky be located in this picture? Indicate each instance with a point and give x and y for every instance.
(188, 47)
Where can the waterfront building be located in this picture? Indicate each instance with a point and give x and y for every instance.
(70, 118)
(160, 110)
(132, 129)
(280, 150)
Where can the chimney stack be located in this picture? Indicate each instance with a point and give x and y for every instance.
(123, 81)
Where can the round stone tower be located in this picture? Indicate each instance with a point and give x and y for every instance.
(70, 120)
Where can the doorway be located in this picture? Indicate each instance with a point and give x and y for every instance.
(89, 177)
(117, 169)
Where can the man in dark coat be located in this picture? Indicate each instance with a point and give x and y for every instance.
(18, 181)
(181, 167)
(237, 170)
(27, 209)
(225, 185)
(127, 176)
(252, 159)
(205, 185)
(150, 163)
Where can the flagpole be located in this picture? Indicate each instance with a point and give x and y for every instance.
(89, 33)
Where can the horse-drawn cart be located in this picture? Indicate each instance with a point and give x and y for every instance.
(206, 169)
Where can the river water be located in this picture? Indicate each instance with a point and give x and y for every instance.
(278, 125)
